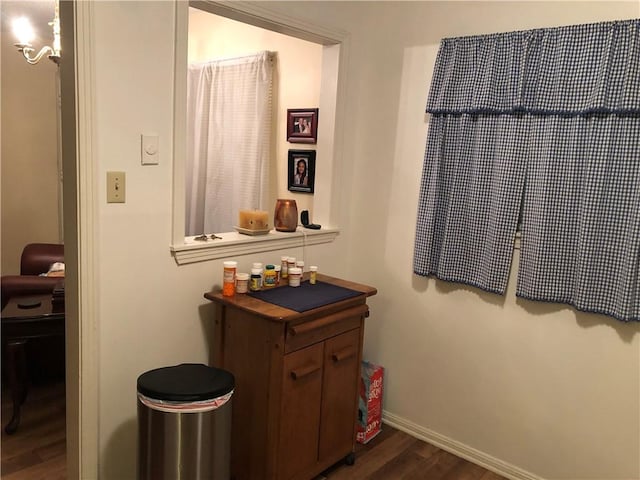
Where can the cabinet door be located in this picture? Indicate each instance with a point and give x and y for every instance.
(339, 394)
(300, 413)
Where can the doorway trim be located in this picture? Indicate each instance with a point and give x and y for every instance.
(80, 214)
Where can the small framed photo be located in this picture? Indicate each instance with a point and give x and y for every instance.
(302, 170)
(302, 125)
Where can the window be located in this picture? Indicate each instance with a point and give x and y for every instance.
(185, 249)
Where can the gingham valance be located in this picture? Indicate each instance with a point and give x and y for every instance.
(583, 69)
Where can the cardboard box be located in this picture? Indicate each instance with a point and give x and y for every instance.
(370, 402)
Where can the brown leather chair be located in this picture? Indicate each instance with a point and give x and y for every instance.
(36, 258)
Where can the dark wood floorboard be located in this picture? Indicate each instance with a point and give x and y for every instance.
(37, 451)
(395, 455)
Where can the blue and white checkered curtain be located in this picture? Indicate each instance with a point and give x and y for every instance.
(546, 122)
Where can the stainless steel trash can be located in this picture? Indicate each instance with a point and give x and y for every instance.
(184, 423)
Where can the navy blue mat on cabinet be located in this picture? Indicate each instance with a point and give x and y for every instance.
(306, 296)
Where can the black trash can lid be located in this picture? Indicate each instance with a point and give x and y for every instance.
(187, 382)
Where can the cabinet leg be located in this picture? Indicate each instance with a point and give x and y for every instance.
(350, 459)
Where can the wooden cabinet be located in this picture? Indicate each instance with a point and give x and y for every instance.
(297, 376)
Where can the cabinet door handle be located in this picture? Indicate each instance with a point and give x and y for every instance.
(343, 354)
(328, 320)
(304, 371)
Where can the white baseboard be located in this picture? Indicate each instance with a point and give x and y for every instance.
(459, 449)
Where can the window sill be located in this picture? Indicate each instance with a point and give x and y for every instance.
(234, 244)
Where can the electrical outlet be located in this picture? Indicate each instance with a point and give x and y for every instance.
(115, 187)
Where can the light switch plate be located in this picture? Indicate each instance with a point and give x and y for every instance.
(116, 187)
(150, 149)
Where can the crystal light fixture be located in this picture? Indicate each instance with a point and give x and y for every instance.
(23, 30)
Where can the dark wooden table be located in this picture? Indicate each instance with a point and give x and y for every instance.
(25, 318)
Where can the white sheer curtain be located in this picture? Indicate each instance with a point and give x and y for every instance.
(228, 140)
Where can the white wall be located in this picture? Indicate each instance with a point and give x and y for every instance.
(29, 163)
(537, 386)
(151, 311)
(297, 81)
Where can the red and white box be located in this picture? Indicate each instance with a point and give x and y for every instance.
(369, 402)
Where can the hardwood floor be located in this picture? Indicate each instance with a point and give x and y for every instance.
(37, 450)
(393, 454)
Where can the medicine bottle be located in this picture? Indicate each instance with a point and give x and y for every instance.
(278, 269)
(300, 265)
(229, 278)
(258, 265)
(295, 274)
(313, 274)
(291, 263)
(283, 266)
(255, 282)
(242, 282)
(269, 276)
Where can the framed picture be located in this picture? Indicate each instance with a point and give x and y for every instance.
(302, 170)
(302, 125)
